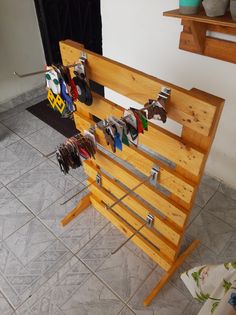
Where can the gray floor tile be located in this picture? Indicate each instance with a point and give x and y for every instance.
(56, 290)
(27, 259)
(193, 308)
(207, 189)
(228, 254)
(24, 124)
(45, 140)
(223, 207)
(123, 272)
(5, 308)
(7, 137)
(194, 213)
(17, 159)
(13, 214)
(100, 247)
(169, 300)
(126, 311)
(212, 232)
(93, 297)
(201, 255)
(42, 186)
(16, 109)
(81, 230)
(228, 191)
(72, 290)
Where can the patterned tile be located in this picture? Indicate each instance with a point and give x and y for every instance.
(42, 186)
(126, 311)
(123, 272)
(100, 247)
(228, 191)
(82, 229)
(45, 140)
(228, 254)
(13, 214)
(7, 137)
(5, 308)
(223, 207)
(93, 297)
(168, 301)
(27, 259)
(24, 123)
(201, 255)
(207, 189)
(212, 232)
(194, 213)
(72, 290)
(193, 308)
(17, 159)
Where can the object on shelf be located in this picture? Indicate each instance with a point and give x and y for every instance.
(215, 8)
(233, 9)
(189, 6)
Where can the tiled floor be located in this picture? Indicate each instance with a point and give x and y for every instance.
(49, 270)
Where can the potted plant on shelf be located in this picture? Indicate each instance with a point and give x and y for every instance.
(233, 9)
(215, 7)
(189, 6)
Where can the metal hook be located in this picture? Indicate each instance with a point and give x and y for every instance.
(83, 55)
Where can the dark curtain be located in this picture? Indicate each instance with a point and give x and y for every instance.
(78, 20)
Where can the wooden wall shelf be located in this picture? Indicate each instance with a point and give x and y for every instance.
(194, 36)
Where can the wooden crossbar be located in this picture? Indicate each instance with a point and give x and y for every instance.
(198, 113)
(138, 86)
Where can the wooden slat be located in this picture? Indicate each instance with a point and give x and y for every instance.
(165, 246)
(138, 240)
(182, 153)
(138, 86)
(181, 188)
(201, 17)
(166, 228)
(170, 209)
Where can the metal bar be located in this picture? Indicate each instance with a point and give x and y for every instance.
(129, 192)
(128, 239)
(78, 193)
(39, 72)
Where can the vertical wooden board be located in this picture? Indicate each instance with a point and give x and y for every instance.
(138, 240)
(166, 228)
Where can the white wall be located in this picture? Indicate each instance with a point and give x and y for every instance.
(136, 33)
(20, 47)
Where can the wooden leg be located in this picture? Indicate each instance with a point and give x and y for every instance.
(168, 275)
(82, 205)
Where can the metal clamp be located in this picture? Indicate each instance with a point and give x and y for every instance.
(154, 174)
(99, 179)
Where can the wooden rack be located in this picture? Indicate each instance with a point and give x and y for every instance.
(198, 112)
(194, 36)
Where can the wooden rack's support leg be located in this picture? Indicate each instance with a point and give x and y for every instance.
(168, 275)
(82, 205)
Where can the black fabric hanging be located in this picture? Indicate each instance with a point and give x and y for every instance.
(78, 20)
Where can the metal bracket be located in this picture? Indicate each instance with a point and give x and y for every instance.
(150, 220)
(99, 179)
(83, 55)
(154, 175)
